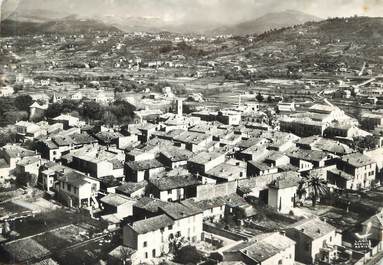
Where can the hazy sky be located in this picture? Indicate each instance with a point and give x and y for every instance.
(221, 11)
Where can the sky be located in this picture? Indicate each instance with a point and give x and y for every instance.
(184, 11)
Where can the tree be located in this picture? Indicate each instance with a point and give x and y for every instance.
(27, 179)
(91, 110)
(53, 110)
(259, 97)
(23, 102)
(14, 116)
(125, 255)
(109, 118)
(313, 186)
(7, 137)
(362, 143)
(176, 242)
(7, 105)
(68, 106)
(122, 110)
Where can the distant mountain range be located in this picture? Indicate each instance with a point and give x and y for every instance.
(36, 15)
(70, 24)
(34, 21)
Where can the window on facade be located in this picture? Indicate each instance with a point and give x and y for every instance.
(170, 227)
(280, 262)
(169, 192)
(146, 255)
(145, 244)
(178, 234)
(154, 253)
(330, 238)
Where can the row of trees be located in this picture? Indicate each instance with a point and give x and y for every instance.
(117, 112)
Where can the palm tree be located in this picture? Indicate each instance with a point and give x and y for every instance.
(314, 186)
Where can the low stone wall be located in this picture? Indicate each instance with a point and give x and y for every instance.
(211, 228)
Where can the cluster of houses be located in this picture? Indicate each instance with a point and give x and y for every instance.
(370, 90)
(162, 182)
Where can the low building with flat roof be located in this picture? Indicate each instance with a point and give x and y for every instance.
(173, 188)
(205, 161)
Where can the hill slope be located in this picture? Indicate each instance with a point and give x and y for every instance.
(269, 21)
(315, 47)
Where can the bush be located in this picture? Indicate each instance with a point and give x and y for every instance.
(188, 255)
(259, 97)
